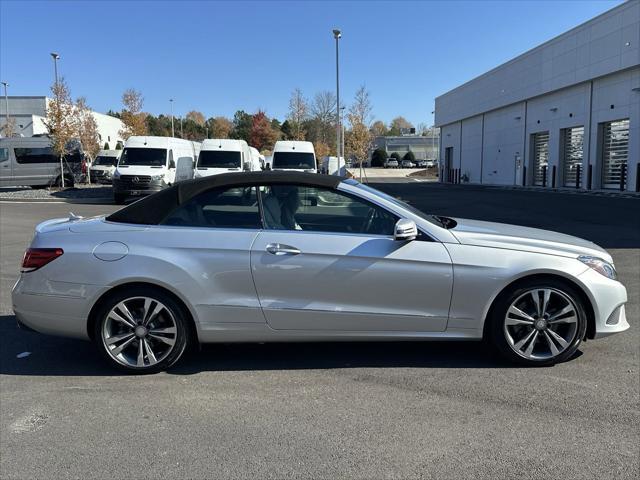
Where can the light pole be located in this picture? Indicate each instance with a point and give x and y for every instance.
(337, 34)
(172, 132)
(6, 107)
(55, 58)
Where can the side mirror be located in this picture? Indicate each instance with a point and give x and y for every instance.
(246, 167)
(172, 164)
(405, 230)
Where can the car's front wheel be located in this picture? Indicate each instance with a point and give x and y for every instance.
(539, 323)
(141, 330)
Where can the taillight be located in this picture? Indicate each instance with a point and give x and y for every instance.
(34, 258)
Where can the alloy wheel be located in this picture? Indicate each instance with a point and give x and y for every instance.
(139, 332)
(541, 323)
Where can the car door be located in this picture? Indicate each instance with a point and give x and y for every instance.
(211, 236)
(327, 260)
(5, 167)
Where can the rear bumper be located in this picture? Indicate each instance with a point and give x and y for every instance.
(54, 312)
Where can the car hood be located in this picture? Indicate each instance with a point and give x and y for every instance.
(514, 237)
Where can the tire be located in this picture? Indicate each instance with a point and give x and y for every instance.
(141, 330)
(119, 198)
(525, 336)
(68, 182)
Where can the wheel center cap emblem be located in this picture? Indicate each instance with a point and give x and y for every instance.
(141, 331)
(540, 324)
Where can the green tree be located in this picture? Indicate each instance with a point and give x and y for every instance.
(409, 156)
(378, 157)
(397, 124)
(396, 156)
(242, 122)
(106, 146)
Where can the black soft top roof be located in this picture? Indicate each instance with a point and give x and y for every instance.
(153, 209)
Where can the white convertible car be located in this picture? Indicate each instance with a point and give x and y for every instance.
(282, 256)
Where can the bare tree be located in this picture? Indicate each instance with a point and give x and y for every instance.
(9, 128)
(359, 138)
(361, 108)
(132, 116)
(298, 113)
(61, 122)
(323, 112)
(87, 129)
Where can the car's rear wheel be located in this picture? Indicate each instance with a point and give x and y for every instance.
(141, 330)
(539, 323)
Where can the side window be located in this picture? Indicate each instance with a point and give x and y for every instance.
(219, 208)
(4, 154)
(35, 155)
(293, 207)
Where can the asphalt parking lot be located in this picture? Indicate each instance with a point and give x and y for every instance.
(387, 410)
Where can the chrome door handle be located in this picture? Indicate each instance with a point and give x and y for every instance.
(280, 249)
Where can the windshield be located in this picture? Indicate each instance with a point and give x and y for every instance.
(429, 218)
(106, 161)
(219, 159)
(155, 157)
(294, 160)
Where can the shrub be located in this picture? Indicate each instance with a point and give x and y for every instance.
(410, 156)
(106, 146)
(378, 157)
(396, 156)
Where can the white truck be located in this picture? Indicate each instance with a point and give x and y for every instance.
(334, 166)
(103, 166)
(294, 155)
(221, 155)
(149, 164)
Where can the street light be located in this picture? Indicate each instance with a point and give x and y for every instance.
(6, 106)
(172, 132)
(337, 34)
(56, 57)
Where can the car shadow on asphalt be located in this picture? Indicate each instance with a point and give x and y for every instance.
(28, 353)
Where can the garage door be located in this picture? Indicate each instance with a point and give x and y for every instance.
(572, 154)
(615, 152)
(540, 156)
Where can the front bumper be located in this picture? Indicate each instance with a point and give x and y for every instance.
(608, 298)
(130, 187)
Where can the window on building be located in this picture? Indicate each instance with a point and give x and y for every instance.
(572, 153)
(540, 157)
(615, 153)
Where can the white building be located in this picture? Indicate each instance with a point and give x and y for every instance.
(565, 113)
(29, 114)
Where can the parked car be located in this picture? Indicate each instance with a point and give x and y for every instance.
(31, 161)
(150, 164)
(391, 163)
(407, 164)
(421, 163)
(103, 166)
(431, 163)
(287, 256)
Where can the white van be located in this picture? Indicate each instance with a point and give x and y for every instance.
(149, 164)
(221, 155)
(294, 155)
(103, 166)
(258, 160)
(30, 161)
(334, 166)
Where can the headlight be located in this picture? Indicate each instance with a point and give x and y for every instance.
(599, 265)
(155, 178)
